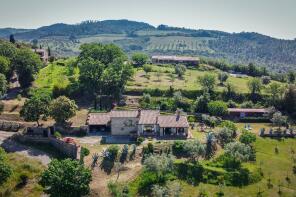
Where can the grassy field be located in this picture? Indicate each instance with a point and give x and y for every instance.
(22, 165)
(188, 83)
(275, 166)
(56, 74)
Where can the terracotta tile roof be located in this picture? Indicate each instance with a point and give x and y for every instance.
(172, 121)
(148, 116)
(124, 113)
(247, 110)
(98, 118)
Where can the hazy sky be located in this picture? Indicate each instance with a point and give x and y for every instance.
(276, 18)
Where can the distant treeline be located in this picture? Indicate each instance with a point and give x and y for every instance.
(250, 69)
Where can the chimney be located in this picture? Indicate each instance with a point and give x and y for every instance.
(139, 113)
(178, 114)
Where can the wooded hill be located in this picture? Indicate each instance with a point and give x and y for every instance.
(240, 48)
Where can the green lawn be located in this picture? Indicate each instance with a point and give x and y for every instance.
(22, 165)
(188, 83)
(56, 74)
(274, 166)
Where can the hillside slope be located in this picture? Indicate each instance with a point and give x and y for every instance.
(64, 40)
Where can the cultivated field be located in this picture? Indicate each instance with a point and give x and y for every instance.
(189, 82)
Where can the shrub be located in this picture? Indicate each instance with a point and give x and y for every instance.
(57, 134)
(139, 59)
(239, 151)
(217, 108)
(133, 152)
(265, 80)
(247, 137)
(114, 189)
(84, 151)
(228, 124)
(192, 173)
(225, 136)
(146, 98)
(5, 172)
(66, 178)
(180, 70)
(124, 153)
(112, 152)
(231, 104)
(160, 164)
(212, 121)
(140, 140)
(239, 177)
(147, 68)
(228, 162)
(178, 148)
(59, 90)
(191, 118)
(147, 180)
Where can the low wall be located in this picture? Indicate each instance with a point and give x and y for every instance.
(69, 149)
(275, 134)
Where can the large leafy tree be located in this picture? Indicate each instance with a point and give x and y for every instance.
(139, 59)
(35, 108)
(201, 103)
(278, 119)
(255, 87)
(103, 70)
(211, 145)
(247, 137)
(289, 102)
(195, 150)
(207, 82)
(160, 164)
(180, 70)
(275, 90)
(239, 151)
(91, 72)
(116, 76)
(66, 178)
(62, 109)
(106, 54)
(225, 136)
(27, 63)
(222, 76)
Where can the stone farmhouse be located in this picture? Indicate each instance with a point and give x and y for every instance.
(139, 123)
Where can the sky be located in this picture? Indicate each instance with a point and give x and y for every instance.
(276, 18)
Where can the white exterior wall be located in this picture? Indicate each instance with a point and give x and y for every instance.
(123, 126)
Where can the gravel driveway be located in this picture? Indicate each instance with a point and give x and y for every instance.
(12, 146)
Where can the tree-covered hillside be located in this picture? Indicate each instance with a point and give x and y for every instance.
(239, 48)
